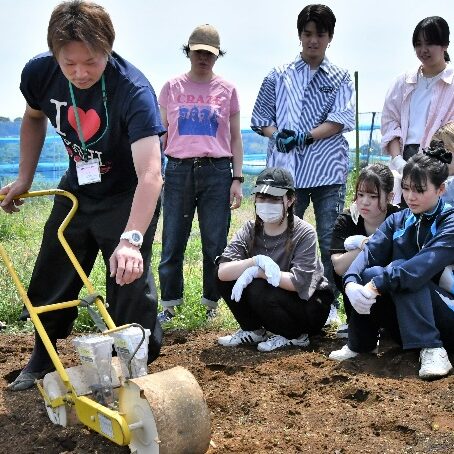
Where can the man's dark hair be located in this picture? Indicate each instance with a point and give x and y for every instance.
(324, 19)
(81, 21)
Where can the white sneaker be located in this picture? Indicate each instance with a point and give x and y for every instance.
(333, 317)
(243, 337)
(276, 341)
(434, 363)
(345, 353)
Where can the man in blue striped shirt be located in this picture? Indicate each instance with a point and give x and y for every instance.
(304, 108)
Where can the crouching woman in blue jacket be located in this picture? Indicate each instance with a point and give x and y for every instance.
(403, 281)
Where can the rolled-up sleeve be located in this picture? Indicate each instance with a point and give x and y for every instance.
(391, 117)
(305, 267)
(377, 252)
(343, 109)
(238, 248)
(264, 112)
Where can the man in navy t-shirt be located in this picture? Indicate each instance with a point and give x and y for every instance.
(106, 113)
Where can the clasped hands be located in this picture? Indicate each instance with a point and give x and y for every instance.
(361, 297)
(262, 262)
(287, 140)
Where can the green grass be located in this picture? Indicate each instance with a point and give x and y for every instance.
(21, 233)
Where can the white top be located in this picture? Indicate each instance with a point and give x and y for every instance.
(419, 108)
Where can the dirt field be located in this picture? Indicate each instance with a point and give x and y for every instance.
(282, 402)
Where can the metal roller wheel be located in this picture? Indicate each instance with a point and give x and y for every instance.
(53, 386)
(166, 412)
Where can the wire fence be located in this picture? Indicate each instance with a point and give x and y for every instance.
(54, 160)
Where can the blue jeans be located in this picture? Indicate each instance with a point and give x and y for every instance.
(188, 186)
(328, 202)
(416, 319)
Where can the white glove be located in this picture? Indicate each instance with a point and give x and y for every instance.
(271, 269)
(354, 242)
(360, 298)
(397, 163)
(243, 281)
(447, 279)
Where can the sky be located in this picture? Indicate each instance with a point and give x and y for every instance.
(371, 37)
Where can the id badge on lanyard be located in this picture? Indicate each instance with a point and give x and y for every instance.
(88, 172)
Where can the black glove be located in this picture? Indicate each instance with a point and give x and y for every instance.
(285, 140)
(300, 139)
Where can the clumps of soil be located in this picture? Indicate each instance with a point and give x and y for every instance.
(282, 402)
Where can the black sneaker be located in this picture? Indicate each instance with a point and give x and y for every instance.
(165, 316)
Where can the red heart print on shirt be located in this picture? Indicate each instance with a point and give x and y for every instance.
(89, 122)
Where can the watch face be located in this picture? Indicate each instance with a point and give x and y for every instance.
(135, 237)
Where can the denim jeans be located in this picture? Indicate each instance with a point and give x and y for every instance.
(417, 319)
(188, 186)
(328, 202)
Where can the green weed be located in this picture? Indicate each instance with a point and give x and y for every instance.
(21, 234)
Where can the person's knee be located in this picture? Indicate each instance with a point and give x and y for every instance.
(224, 287)
(258, 289)
(317, 310)
(259, 293)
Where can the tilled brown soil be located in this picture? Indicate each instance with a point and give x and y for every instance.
(281, 402)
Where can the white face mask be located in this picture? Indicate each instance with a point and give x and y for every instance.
(269, 212)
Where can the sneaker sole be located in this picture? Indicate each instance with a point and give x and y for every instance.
(284, 347)
(238, 345)
(242, 343)
(434, 376)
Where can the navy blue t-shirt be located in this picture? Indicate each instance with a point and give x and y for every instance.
(133, 114)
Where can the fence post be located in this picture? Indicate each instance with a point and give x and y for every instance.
(357, 129)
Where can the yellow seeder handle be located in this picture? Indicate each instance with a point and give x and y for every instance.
(35, 311)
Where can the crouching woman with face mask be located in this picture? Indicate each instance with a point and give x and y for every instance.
(270, 274)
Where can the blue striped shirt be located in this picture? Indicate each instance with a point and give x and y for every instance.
(289, 98)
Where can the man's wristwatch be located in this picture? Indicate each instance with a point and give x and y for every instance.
(133, 236)
(240, 179)
(309, 139)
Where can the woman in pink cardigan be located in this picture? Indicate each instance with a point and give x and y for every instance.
(420, 100)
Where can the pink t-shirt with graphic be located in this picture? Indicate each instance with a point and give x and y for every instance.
(199, 117)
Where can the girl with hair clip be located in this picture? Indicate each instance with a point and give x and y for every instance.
(446, 135)
(400, 280)
(371, 206)
(270, 274)
(421, 100)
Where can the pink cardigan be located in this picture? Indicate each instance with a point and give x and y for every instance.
(396, 110)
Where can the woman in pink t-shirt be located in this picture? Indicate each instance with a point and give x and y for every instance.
(204, 164)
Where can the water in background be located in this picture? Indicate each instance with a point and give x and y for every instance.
(54, 160)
